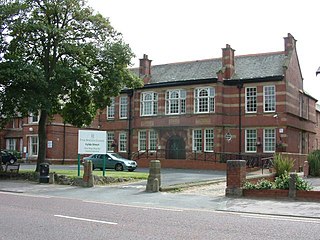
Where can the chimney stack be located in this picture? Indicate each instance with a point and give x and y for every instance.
(145, 69)
(228, 62)
(289, 43)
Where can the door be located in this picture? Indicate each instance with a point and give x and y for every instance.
(176, 148)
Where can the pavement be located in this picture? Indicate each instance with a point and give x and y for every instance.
(205, 192)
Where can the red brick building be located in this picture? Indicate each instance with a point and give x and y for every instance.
(189, 113)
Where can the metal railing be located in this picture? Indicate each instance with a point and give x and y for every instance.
(253, 160)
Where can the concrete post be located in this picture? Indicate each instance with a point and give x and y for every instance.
(293, 185)
(154, 178)
(87, 174)
(236, 176)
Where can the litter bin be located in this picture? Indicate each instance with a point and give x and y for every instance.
(44, 173)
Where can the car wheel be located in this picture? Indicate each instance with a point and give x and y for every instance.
(118, 167)
(11, 161)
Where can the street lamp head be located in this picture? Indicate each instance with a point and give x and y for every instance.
(276, 115)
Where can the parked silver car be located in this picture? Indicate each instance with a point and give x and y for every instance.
(113, 161)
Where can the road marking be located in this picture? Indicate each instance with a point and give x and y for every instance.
(134, 206)
(21, 194)
(282, 218)
(86, 219)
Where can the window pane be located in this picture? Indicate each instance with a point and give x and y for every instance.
(269, 97)
(204, 100)
(110, 113)
(209, 140)
(269, 140)
(149, 104)
(123, 107)
(142, 141)
(110, 141)
(153, 140)
(251, 140)
(197, 140)
(251, 99)
(123, 142)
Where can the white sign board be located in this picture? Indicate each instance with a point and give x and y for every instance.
(92, 142)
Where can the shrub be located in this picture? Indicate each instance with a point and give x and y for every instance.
(282, 164)
(314, 163)
(281, 182)
(261, 184)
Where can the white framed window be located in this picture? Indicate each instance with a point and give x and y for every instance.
(110, 109)
(269, 98)
(33, 145)
(142, 140)
(209, 140)
(197, 140)
(123, 142)
(11, 144)
(251, 100)
(269, 140)
(123, 109)
(153, 140)
(251, 140)
(33, 118)
(149, 104)
(175, 102)
(110, 141)
(204, 100)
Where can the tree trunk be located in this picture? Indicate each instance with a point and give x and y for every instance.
(42, 134)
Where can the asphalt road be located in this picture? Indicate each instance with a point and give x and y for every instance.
(47, 217)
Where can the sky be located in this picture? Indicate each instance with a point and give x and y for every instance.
(171, 31)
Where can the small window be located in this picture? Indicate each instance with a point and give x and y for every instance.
(251, 100)
(209, 140)
(269, 98)
(176, 102)
(269, 140)
(204, 100)
(142, 140)
(149, 104)
(123, 110)
(110, 141)
(110, 109)
(123, 142)
(153, 140)
(197, 140)
(251, 140)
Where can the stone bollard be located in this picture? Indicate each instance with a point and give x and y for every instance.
(87, 175)
(293, 185)
(51, 178)
(236, 176)
(306, 169)
(154, 178)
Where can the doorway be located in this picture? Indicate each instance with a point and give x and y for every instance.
(176, 148)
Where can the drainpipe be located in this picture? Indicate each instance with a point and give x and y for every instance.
(240, 86)
(130, 94)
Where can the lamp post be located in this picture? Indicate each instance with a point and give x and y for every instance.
(240, 86)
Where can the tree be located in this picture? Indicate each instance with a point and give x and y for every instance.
(59, 57)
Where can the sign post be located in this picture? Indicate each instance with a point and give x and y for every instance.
(92, 142)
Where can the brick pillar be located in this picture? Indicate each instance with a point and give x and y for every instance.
(154, 178)
(236, 176)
